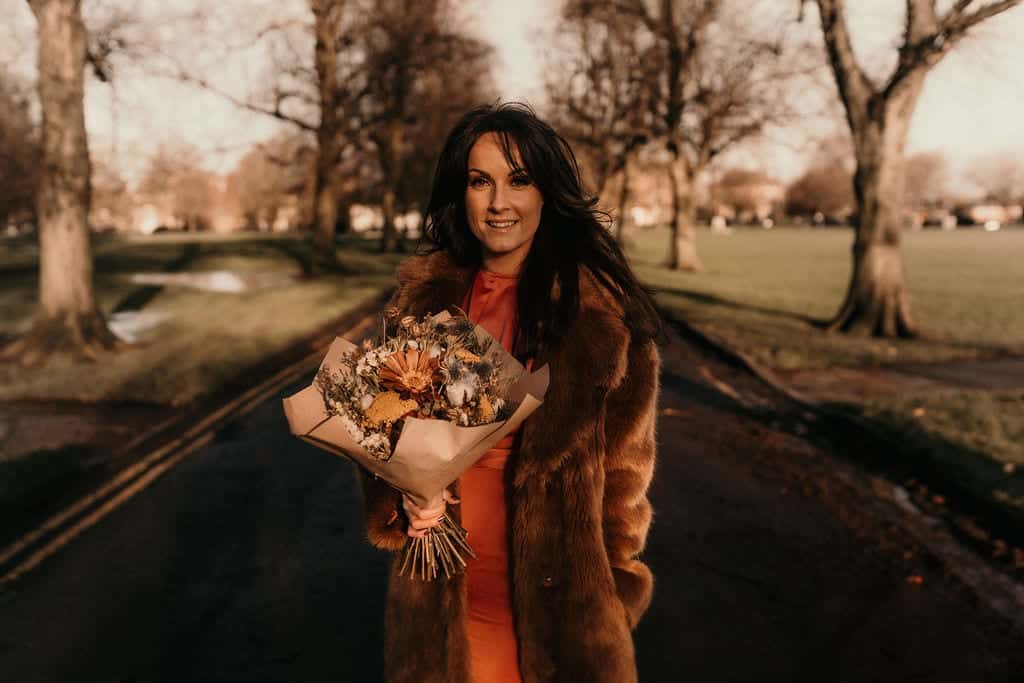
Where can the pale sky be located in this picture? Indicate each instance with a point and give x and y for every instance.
(972, 105)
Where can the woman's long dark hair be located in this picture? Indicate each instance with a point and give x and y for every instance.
(572, 232)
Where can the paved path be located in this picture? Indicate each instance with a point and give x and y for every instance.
(857, 384)
(246, 563)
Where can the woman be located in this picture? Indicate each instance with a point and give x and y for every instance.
(557, 514)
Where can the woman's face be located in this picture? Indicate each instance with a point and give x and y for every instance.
(502, 205)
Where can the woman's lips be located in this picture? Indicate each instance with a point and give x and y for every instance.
(501, 225)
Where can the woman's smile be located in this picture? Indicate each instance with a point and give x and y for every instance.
(501, 225)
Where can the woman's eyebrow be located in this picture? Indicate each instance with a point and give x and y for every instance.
(511, 173)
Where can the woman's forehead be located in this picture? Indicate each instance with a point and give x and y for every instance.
(495, 151)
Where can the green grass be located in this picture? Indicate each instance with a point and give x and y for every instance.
(208, 337)
(763, 291)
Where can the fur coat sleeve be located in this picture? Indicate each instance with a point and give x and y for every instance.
(630, 416)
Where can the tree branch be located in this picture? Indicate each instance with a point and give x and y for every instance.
(929, 39)
(956, 22)
(921, 21)
(854, 86)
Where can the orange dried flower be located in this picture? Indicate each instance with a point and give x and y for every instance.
(409, 371)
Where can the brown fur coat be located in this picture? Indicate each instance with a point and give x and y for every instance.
(578, 508)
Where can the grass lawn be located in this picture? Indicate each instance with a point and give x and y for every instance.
(205, 337)
(763, 292)
(763, 289)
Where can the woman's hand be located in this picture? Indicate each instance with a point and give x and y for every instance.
(422, 520)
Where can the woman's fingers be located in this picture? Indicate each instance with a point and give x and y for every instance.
(424, 522)
(421, 520)
(414, 510)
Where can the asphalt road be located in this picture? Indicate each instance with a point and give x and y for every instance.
(247, 563)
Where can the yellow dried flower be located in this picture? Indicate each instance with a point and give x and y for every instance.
(484, 410)
(388, 406)
(467, 355)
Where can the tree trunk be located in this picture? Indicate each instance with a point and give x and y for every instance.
(624, 196)
(683, 244)
(395, 156)
(325, 201)
(389, 239)
(877, 301)
(68, 318)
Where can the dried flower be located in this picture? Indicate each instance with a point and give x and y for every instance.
(409, 371)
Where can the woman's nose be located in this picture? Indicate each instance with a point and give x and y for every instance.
(498, 199)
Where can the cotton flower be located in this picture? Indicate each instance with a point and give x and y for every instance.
(462, 390)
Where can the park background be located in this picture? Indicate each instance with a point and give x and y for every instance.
(245, 190)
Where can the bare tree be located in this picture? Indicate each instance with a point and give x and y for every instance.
(273, 177)
(111, 205)
(600, 87)
(314, 84)
(825, 189)
(925, 177)
(718, 80)
(68, 316)
(176, 182)
(1000, 176)
(879, 115)
(406, 43)
(752, 195)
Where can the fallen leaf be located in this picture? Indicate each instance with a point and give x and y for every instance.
(673, 412)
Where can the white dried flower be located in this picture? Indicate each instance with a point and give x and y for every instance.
(365, 402)
(352, 428)
(375, 441)
(434, 351)
(412, 344)
(462, 390)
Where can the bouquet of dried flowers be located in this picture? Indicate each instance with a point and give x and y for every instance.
(416, 408)
(420, 368)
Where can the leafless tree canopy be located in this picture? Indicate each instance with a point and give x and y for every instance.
(1000, 176)
(699, 76)
(925, 176)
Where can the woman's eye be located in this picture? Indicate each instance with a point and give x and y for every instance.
(478, 181)
(521, 180)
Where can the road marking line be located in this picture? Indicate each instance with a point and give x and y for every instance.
(149, 468)
(95, 516)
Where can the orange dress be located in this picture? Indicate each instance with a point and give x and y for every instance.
(494, 653)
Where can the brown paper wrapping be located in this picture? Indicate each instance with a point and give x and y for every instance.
(430, 453)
